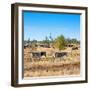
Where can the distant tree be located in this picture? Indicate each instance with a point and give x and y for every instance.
(34, 41)
(68, 41)
(74, 41)
(33, 44)
(78, 42)
(51, 39)
(46, 41)
(60, 42)
(28, 41)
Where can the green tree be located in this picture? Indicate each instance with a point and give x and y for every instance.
(34, 41)
(50, 36)
(68, 41)
(60, 42)
(28, 41)
(46, 41)
(74, 41)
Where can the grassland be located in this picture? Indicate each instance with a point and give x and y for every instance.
(50, 66)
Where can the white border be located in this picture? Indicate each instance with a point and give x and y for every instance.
(82, 51)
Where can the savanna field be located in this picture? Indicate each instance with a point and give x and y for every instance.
(52, 66)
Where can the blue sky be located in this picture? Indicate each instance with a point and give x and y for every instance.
(39, 25)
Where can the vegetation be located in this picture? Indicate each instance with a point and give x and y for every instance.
(60, 42)
(28, 40)
(46, 41)
(51, 65)
(72, 41)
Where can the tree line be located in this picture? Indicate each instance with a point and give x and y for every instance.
(59, 42)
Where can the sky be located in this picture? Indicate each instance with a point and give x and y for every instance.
(38, 25)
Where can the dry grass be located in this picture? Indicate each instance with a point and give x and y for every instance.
(52, 69)
(50, 66)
